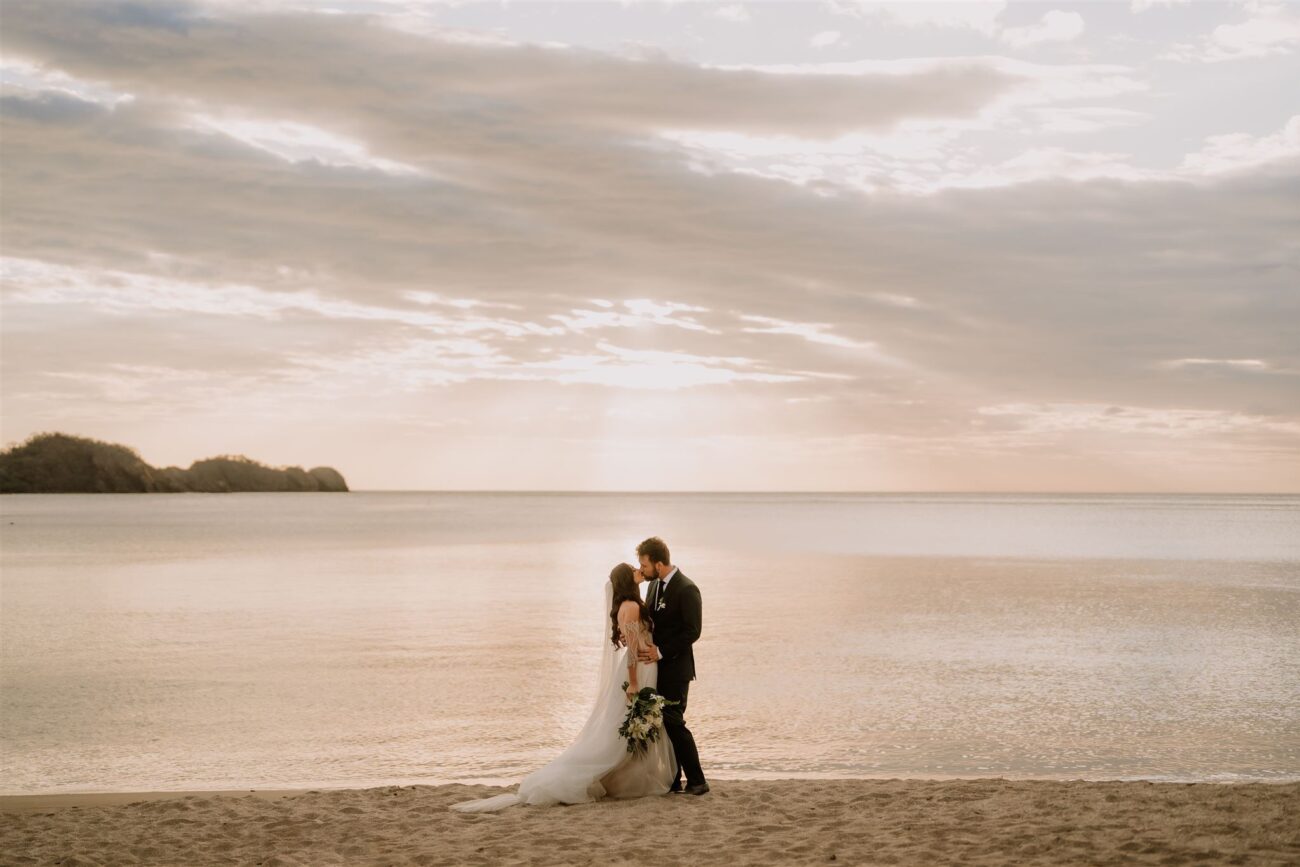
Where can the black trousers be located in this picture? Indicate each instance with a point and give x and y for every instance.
(688, 757)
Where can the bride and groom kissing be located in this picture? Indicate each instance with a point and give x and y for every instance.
(645, 643)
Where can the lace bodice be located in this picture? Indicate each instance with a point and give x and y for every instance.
(635, 636)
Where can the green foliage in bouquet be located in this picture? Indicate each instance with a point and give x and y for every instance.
(644, 722)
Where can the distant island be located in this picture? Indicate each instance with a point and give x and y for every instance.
(56, 463)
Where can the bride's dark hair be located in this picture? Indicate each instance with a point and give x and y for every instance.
(625, 590)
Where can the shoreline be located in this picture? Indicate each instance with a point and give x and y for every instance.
(66, 800)
(977, 821)
(50, 801)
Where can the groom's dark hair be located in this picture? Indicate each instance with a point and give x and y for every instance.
(655, 549)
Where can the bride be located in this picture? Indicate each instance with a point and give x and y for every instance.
(597, 764)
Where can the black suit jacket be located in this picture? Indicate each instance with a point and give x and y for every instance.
(676, 627)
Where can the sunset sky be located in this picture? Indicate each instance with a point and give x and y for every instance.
(661, 246)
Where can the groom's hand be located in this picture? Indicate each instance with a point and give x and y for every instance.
(650, 654)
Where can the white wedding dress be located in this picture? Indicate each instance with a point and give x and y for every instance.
(597, 763)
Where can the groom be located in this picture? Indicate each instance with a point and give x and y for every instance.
(674, 603)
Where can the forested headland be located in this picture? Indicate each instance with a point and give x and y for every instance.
(58, 463)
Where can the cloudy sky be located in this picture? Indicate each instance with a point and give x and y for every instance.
(661, 246)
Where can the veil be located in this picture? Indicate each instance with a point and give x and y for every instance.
(570, 777)
(605, 679)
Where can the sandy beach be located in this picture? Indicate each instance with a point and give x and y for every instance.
(986, 821)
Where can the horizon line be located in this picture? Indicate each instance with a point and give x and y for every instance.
(773, 491)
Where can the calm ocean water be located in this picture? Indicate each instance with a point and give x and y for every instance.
(278, 640)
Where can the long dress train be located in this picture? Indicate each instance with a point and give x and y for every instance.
(597, 764)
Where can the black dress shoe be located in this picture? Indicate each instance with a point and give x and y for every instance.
(674, 789)
(698, 789)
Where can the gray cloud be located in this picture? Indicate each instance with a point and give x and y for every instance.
(50, 107)
(358, 66)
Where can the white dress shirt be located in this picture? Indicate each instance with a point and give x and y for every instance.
(663, 587)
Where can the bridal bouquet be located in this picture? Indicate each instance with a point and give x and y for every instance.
(644, 721)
